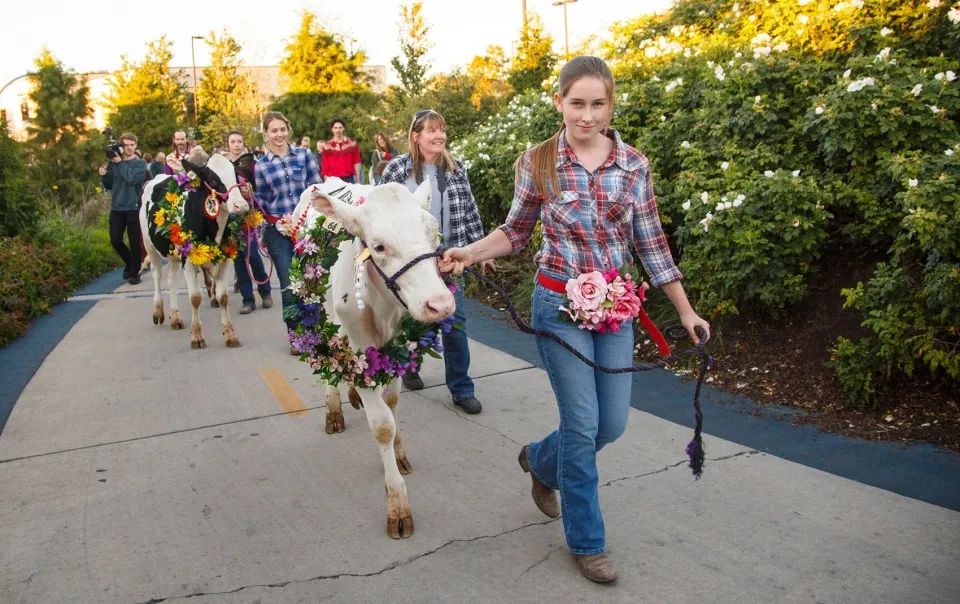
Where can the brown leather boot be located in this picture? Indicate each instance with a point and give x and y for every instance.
(543, 496)
(596, 568)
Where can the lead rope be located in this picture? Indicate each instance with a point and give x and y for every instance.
(694, 449)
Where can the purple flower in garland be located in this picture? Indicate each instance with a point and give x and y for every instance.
(185, 249)
(446, 325)
(305, 342)
(310, 314)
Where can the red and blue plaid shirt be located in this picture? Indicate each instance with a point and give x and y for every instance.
(590, 223)
(280, 180)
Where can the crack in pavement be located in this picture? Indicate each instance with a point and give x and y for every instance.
(388, 568)
(748, 452)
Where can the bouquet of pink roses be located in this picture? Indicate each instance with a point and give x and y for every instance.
(601, 302)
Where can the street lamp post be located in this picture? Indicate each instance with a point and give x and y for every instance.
(193, 61)
(566, 37)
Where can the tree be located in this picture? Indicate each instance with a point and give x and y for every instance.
(145, 98)
(317, 61)
(489, 75)
(534, 60)
(412, 70)
(228, 99)
(62, 153)
(18, 209)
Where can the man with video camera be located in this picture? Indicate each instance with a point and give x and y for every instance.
(124, 177)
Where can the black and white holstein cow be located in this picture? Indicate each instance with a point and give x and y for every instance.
(218, 175)
(397, 228)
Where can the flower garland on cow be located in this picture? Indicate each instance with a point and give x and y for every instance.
(169, 222)
(317, 338)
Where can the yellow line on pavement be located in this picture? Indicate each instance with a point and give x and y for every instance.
(283, 391)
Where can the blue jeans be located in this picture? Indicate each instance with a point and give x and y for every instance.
(244, 282)
(456, 352)
(280, 248)
(593, 413)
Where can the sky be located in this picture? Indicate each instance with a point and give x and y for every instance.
(91, 35)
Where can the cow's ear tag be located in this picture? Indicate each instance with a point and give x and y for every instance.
(364, 255)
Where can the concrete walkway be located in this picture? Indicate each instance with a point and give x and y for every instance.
(136, 470)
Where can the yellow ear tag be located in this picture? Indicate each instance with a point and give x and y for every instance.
(362, 256)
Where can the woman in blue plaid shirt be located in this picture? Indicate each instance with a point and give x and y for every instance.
(453, 205)
(281, 174)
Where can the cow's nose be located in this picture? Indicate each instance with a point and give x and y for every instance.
(439, 306)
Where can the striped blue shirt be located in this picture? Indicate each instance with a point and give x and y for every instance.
(281, 180)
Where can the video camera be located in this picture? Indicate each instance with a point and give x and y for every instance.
(114, 148)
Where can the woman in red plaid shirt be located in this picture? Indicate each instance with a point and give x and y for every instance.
(594, 197)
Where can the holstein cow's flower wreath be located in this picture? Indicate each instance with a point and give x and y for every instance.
(316, 337)
(169, 222)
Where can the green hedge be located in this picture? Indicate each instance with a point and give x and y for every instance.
(777, 130)
(38, 273)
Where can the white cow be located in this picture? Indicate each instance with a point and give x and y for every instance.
(397, 228)
(219, 175)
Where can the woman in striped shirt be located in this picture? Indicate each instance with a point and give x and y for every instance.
(594, 196)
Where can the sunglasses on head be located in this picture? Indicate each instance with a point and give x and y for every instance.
(420, 115)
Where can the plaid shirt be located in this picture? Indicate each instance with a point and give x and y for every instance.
(280, 180)
(590, 224)
(465, 224)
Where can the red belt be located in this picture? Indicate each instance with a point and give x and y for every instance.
(271, 219)
(560, 287)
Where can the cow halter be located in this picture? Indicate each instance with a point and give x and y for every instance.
(211, 206)
(391, 281)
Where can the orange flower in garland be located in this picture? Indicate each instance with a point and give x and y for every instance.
(229, 249)
(176, 237)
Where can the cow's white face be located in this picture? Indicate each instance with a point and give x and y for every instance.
(225, 170)
(397, 228)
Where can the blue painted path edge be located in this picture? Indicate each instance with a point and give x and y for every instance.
(20, 359)
(923, 472)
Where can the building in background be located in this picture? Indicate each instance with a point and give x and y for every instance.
(16, 110)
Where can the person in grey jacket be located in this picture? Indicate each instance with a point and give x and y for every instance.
(124, 177)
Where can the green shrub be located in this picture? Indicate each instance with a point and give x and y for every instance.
(752, 241)
(490, 152)
(40, 273)
(18, 209)
(911, 304)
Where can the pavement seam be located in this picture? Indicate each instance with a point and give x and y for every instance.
(159, 434)
(389, 567)
(236, 421)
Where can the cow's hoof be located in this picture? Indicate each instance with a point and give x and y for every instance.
(198, 344)
(158, 319)
(176, 323)
(233, 343)
(214, 303)
(400, 527)
(354, 397)
(335, 422)
(404, 464)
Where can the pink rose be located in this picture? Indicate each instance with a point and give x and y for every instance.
(587, 291)
(626, 307)
(616, 288)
